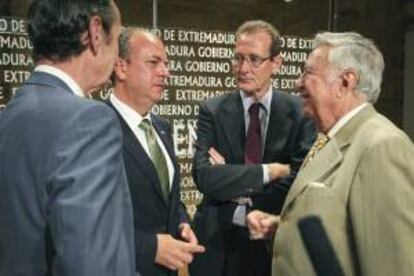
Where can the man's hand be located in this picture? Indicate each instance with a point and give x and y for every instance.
(277, 170)
(173, 253)
(215, 157)
(261, 225)
(187, 233)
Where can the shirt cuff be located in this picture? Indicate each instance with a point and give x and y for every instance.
(265, 174)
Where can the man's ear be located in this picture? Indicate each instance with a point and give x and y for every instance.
(276, 63)
(120, 69)
(349, 83)
(350, 79)
(95, 33)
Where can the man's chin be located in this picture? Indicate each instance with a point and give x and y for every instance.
(248, 89)
(158, 95)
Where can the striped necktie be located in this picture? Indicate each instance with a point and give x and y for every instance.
(157, 157)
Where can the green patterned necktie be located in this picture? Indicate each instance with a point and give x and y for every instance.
(157, 157)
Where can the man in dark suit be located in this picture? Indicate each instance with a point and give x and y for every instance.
(164, 240)
(64, 201)
(251, 143)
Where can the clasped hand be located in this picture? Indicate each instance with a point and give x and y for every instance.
(175, 254)
(261, 225)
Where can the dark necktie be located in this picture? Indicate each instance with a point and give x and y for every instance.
(157, 157)
(253, 146)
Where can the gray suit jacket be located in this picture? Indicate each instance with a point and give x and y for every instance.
(64, 200)
(361, 185)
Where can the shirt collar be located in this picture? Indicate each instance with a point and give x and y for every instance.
(62, 75)
(132, 118)
(338, 125)
(265, 101)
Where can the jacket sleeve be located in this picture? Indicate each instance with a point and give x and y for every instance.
(146, 247)
(221, 182)
(89, 209)
(300, 141)
(381, 207)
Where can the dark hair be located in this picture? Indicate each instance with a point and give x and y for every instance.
(255, 26)
(55, 27)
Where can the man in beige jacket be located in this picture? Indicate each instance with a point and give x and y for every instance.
(360, 184)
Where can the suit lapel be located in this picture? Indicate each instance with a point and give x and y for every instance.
(164, 135)
(323, 163)
(137, 153)
(278, 127)
(326, 160)
(234, 127)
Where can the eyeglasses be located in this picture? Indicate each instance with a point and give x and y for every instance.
(252, 60)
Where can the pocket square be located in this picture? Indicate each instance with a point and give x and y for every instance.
(317, 184)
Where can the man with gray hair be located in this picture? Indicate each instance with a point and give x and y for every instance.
(357, 183)
(250, 145)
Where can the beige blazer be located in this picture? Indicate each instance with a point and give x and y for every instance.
(361, 185)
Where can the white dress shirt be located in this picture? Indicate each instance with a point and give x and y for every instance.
(133, 119)
(338, 125)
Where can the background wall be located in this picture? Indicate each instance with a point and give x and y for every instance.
(390, 23)
(382, 20)
(386, 21)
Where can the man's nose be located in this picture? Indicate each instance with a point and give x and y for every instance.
(244, 65)
(164, 70)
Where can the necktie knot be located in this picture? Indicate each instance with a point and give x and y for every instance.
(254, 109)
(321, 141)
(145, 125)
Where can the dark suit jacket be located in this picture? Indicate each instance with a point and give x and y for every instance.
(152, 215)
(221, 125)
(62, 177)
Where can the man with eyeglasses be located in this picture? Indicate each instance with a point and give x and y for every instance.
(251, 143)
(164, 240)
